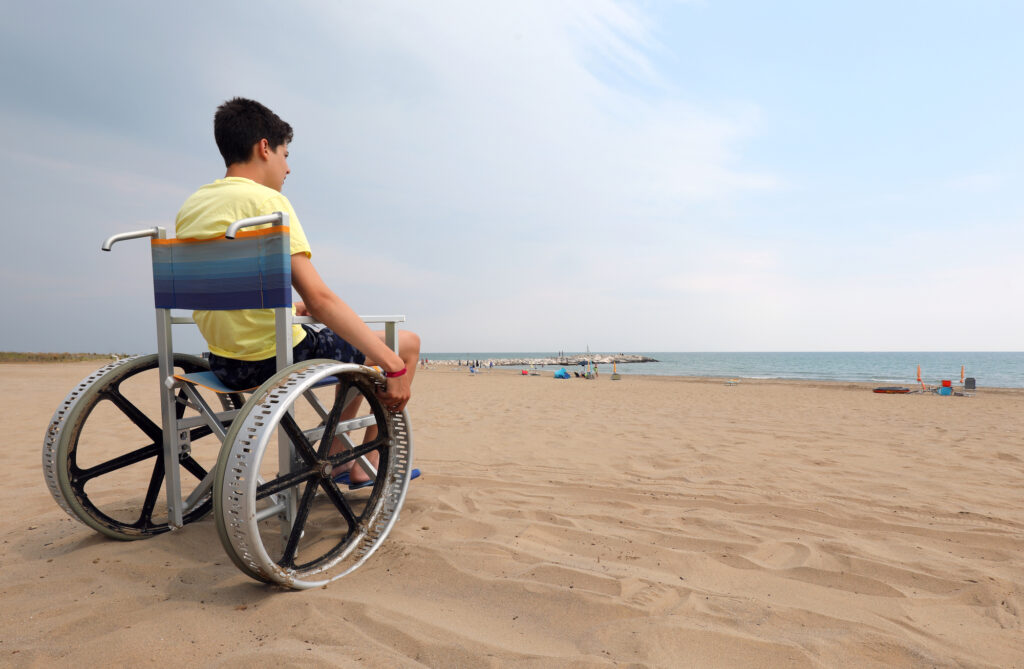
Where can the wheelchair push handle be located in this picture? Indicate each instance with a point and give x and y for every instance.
(277, 218)
(157, 232)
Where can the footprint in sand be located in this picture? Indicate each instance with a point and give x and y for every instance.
(780, 555)
(653, 598)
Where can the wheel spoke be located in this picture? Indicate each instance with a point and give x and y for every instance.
(301, 515)
(331, 424)
(199, 432)
(134, 414)
(112, 465)
(152, 492)
(346, 456)
(339, 501)
(299, 440)
(193, 467)
(181, 403)
(284, 482)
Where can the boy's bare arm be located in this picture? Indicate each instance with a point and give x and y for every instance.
(325, 306)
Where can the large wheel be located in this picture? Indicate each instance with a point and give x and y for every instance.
(103, 452)
(279, 513)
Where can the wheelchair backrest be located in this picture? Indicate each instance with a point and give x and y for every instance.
(252, 271)
(241, 269)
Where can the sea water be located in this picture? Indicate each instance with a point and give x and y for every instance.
(998, 370)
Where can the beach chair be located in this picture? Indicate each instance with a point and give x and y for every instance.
(138, 448)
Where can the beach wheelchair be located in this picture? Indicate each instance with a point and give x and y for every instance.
(150, 443)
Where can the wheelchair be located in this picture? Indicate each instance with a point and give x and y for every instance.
(131, 466)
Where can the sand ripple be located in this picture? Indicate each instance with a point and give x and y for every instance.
(638, 523)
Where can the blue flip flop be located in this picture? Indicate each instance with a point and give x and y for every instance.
(363, 484)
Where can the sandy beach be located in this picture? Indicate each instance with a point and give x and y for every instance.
(646, 522)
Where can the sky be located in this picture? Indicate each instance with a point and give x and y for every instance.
(541, 175)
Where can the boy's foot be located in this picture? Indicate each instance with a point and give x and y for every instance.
(363, 484)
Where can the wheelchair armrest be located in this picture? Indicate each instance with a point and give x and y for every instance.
(390, 322)
(383, 319)
(390, 331)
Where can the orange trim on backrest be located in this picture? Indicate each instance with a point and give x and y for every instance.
(277, 229)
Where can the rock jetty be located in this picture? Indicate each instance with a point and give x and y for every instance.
(563, 360)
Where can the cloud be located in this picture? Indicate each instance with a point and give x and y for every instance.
(89, 175)
(506, 118)
(521, 175)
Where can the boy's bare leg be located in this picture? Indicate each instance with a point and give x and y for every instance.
(409, 352)
(348, 413)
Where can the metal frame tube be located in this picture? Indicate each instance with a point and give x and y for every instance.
(168, 404)
(168, 416)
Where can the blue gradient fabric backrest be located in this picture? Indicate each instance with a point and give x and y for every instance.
(252, 271)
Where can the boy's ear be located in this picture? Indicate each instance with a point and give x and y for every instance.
(260, 149)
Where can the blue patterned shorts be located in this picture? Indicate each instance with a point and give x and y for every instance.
(322, 343)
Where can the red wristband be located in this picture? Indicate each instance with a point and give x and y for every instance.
(395, 375)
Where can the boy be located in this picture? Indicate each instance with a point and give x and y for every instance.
(254, 143)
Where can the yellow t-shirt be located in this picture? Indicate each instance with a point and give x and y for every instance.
(243, 334)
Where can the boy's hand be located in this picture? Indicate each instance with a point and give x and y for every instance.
(300, 309)
(396, 393)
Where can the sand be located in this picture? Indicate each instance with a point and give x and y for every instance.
(647, 522)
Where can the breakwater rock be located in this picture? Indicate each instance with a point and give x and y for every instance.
(562, 360)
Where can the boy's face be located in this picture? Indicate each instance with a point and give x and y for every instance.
(278, 167)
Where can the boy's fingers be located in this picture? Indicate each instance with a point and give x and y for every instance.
(395, 394)
(391, 401)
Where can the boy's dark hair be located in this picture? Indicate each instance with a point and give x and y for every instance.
(240, 123)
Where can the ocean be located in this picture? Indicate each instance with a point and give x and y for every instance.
(997, 370)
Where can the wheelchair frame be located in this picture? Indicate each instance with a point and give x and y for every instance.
(241, 495)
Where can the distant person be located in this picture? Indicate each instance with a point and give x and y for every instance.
(254, 141)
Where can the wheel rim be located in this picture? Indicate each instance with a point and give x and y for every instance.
(333, 529)
(103, 454)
